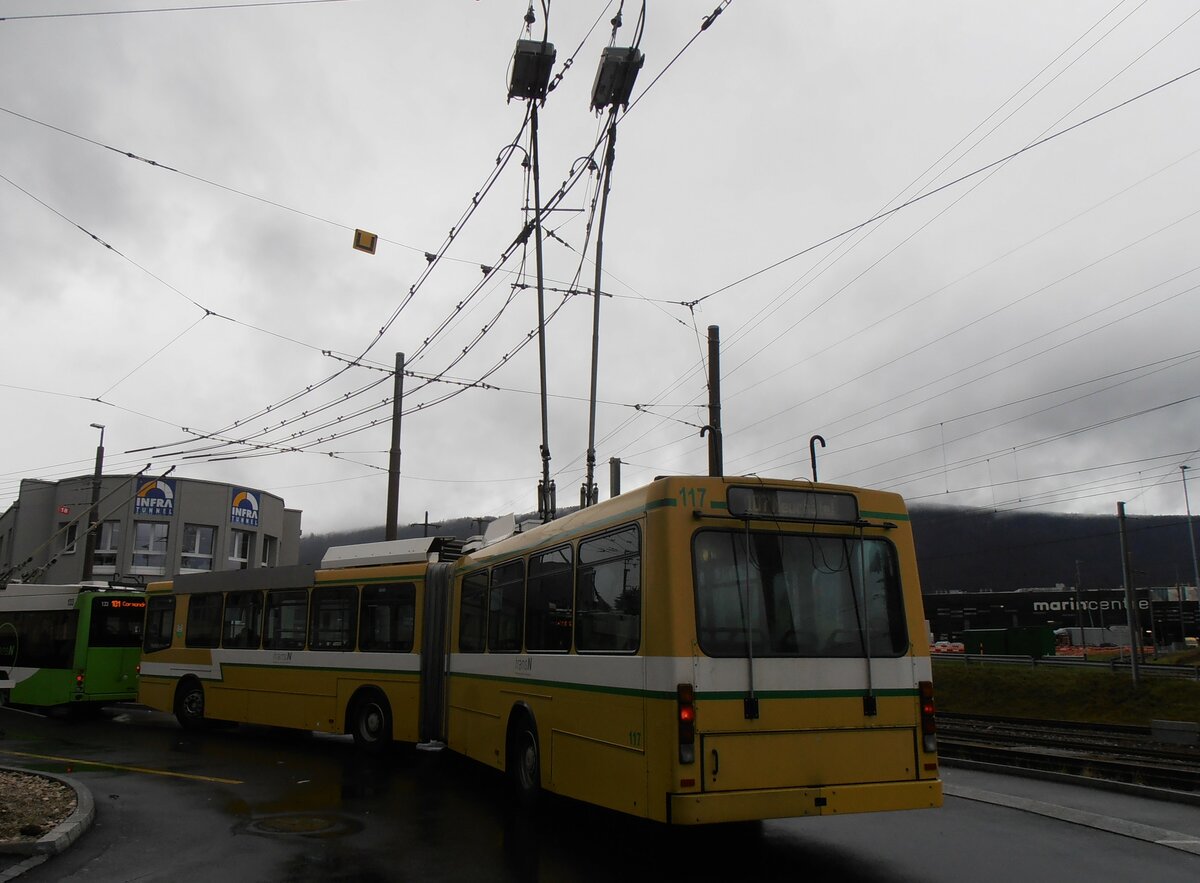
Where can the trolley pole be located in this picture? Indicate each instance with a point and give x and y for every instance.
(1135, 642)
(589, 493)
(545, 488)
(393, 495)
(89, 546)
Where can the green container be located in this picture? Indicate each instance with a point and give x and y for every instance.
(1033, 641)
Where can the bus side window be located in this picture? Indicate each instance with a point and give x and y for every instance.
(287, 618)
(548, 601)
(506, 608)
(388, 618)
(243, 620)
(160, 623)
(472, 613)
(204, 620)
(333, 618)
(608, 602)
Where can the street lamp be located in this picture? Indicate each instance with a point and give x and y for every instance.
(1192, 538)
(89, 548)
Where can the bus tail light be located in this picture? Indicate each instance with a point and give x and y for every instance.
(928, 722)
(686, 716)
(78, 680)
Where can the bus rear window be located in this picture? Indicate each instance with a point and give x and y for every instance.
(778, 594)
(117, 622)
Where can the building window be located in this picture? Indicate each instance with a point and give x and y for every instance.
(150, 546)
(241, 544)
(197, 551)
(68, 533)
(108, 537)
(270, 551)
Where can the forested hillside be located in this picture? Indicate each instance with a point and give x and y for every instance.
(966, 549)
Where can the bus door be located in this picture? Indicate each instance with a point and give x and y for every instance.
(434, 652)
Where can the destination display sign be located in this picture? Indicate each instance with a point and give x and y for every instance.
(792, 505)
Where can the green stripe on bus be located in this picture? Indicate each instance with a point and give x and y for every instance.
(582, 688)
(359, 581)
(307, 670)
(670, 695)
(892, 516)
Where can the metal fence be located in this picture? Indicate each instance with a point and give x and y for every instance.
(1146, 669)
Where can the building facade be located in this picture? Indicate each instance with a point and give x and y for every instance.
(148, 527)
(1163, 614)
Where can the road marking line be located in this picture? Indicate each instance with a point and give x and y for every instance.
(1135, 830)
(118, 766)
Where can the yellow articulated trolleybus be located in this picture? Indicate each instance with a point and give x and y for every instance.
(332, 650)
(698, 650)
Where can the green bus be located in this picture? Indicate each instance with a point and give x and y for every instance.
(70, 647)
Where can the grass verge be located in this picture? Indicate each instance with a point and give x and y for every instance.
(1063, 693)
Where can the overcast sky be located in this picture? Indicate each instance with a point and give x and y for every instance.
(1024, 338)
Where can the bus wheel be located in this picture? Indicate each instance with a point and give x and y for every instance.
(371, 722)
(189, 704)
(526, 765)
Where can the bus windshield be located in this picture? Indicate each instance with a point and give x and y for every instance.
(770, 594)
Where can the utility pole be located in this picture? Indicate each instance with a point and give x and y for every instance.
(393, 495)
(89, 546)
(1079, 608)
(1135, 639)
(425, 525)
(716, 466)
(1192, 539)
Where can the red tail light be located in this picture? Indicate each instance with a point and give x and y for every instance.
(686, 716)
(928, 721)
(79, 679)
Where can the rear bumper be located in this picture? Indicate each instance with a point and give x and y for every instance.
(782, 803)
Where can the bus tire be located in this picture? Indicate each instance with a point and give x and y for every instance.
(370, 721)
(525, 763)
(189, 704)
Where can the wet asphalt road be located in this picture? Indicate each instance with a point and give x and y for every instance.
(251, 804)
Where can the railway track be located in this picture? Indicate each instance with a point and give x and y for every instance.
(1107, 752)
